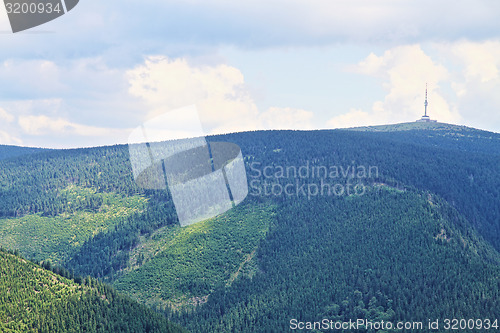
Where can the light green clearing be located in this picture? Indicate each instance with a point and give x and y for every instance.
(180, 266)
(41, 237)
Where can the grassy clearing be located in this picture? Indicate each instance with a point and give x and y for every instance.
(42, 237)
(179, 267)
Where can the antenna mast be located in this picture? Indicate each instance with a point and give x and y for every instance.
(425, 118)
(425, 100)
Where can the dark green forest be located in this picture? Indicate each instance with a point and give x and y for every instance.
(14, 151)
(387, 255)
(415, 238)
(34, 299)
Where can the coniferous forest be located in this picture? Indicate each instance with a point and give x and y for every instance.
(393, 223)
(35, 299)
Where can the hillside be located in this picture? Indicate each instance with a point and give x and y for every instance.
(36, 300)
(440, 135)
(14, 151)
(56, 237)
(180, 267)
(419, 126)
(389, 255)
(421, 240)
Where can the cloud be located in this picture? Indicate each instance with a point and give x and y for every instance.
(219, 92)
(86, 90)
(57, 132)
(463, 77)
(51, 106)
(476, 81)
(263, 23)
(5, 116)
(480, 60)
(7, 139)
(125, 30)
(356, 117)
(6, 120)
(404, 71)
(42, 125)
(286, 118)
(93, 103)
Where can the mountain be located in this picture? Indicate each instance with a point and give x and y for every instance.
(34, 299)
(442, 135)
(389, 255)
(397, 222)
(14, 151)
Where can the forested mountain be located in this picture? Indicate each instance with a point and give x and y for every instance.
(445, 136)
(14, 151)
(388, 255)
(398, 222)
(33, 299)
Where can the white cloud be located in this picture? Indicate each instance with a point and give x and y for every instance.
(405, 70)
(5, 116)
(6, 120)
(286, 118)
(463, 85)
(51, 106)
(92, 103)
(356, 117)
(89, 98)
(219, 92)
(7, 139)
(476, 81)
(479, 61)
(43, 125)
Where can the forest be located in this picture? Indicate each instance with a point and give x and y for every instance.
(421, 240)
(35, 299)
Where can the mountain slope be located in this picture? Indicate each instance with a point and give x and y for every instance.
(429, 199)
(179, 267)
(37, 300)
(388, 255)
(14, 151)
(441, 135)
(57, 237)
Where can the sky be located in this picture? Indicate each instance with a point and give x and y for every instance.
(103, 69)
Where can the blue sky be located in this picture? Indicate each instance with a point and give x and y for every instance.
(96, 73)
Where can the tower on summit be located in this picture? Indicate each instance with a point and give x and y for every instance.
(425, 117)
